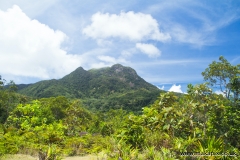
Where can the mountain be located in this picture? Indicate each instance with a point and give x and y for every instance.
(110, 87)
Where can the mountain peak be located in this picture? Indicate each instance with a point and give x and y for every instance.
(80, 69)
(116, 86)
(76, 75)
(77, 71)
(117, 66)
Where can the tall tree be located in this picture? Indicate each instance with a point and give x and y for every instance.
(8, 98)
(1, 82)
(227, 78)
(224, 76)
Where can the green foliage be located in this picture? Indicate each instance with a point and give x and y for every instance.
(133, 132)
(57, 105)
(199, 121)
(9, 99)
(110, 122)
(230, 123)
(11, 142)
(210, 144)
(53, 153)
(127, 152)
(35, 128)
(77, 119)
(182, 124)
(28, 116)
(102, 89)
(224, 75)
(164, 153)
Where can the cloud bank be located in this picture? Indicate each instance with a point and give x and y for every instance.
(30, 48)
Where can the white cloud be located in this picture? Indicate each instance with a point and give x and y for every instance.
(129, 25)
(196, 37)
(99, 65)
(219, 92)
(30, 48)
(107, 61)
(172, 62)
(104, 43)
(175, 88)
(194, 22)
(31, 9)
(162, 88)
(126, 53)
(148, 49)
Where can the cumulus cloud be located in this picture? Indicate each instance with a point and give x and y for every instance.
(129, 25)
(30, 48)
(175, 88)
(148, 49)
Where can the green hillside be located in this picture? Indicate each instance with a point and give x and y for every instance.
(197, 125)
(111, 87)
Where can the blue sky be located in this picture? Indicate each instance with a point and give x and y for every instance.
(169, 43)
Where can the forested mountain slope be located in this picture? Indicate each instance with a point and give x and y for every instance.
(111, 87)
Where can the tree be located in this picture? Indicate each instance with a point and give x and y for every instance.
(77, 119)
(9, 99)
(57, 105)
(2, 81)
(227, 77)
(223, 75)
(235, 86)
(33, 127)
(28, 116)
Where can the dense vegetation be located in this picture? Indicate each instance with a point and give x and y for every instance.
(100, 89)
(200, 121)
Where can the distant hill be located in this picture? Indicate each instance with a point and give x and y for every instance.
(111, 87)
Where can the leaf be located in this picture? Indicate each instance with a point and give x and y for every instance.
(166, 127)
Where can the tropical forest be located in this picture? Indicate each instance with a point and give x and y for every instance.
(112, 113)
